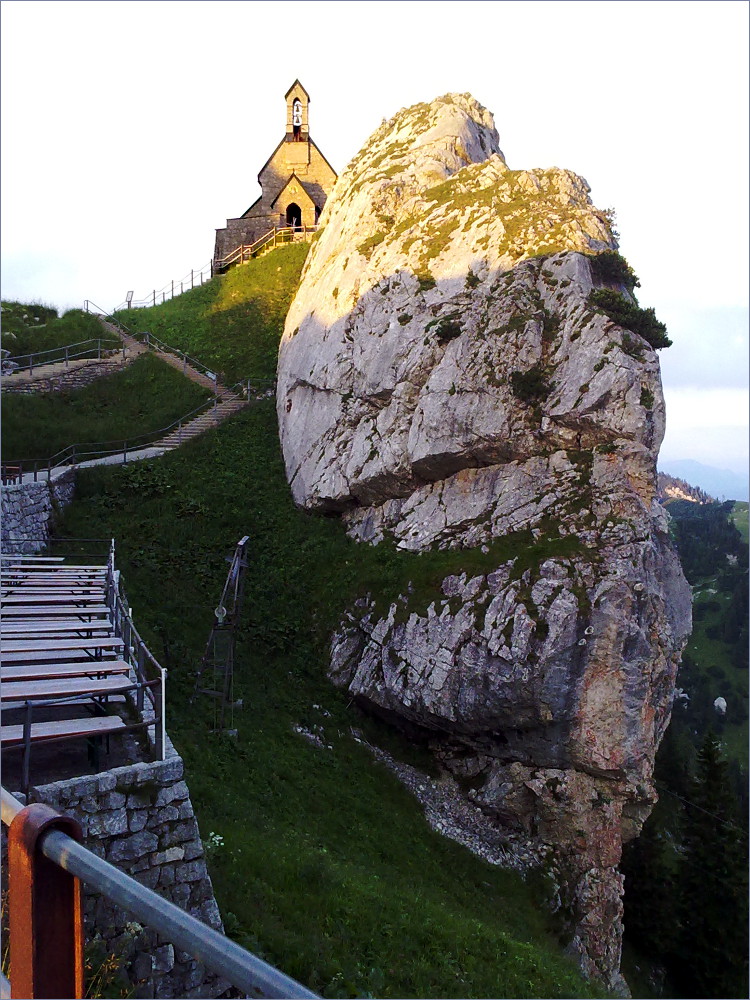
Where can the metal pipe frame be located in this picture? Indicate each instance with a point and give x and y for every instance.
(218, 953)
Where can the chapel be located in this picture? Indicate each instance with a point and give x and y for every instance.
(295, 182)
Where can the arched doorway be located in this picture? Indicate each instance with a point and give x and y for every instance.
(294, 216)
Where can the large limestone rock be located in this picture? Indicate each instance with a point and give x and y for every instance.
(445, 383)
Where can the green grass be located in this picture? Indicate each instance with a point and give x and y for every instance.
(328, 869)
(143, 397)
(713, 672)
(233, 323)
(740, 517)
(34, 328)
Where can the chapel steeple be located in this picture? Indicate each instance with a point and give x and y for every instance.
(297, 120)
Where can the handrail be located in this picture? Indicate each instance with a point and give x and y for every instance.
(218, 953)
(170, 288)
(72, 454)
(63, 354)
(244, 252)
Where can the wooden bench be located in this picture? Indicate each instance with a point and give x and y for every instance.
(76, 668)
(15, 599)
(100, 725)
(35, 629)
(41, 612)
(60, 687)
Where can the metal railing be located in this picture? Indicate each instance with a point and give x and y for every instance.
(66, 354)
(47, 862)
(74, 455)
(278, 236)
(170, 290)
(150, 676)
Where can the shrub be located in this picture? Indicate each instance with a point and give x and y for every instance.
(631, 317)
(404, 318)
(530, 386)
(426, 281)
(609, 266)
(471, 280)
(447, 329)
(647, 398)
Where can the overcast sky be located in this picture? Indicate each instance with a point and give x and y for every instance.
(132, 130)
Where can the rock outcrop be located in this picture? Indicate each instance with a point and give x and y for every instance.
(446, 383)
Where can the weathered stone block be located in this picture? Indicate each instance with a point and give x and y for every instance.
(164, 958)
(180, 832)
(171, 793)
(171, 854)
(108, 823)
(133, 847)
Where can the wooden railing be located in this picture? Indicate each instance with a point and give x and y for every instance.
(278, 236)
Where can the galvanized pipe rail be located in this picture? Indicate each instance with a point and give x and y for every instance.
(64, 354)
(74, 454)
(244, 970)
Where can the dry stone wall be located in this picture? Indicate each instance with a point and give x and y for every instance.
(140, 818)
(28, 509)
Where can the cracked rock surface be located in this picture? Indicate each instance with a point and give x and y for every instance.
(445, 383)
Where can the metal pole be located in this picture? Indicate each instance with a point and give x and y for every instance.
(191, 277)
(154, 296)
(184, 363)
(26, 747)
(124, 451)
(173, 289)
(45, 911)
(98, 350)
(67, 363)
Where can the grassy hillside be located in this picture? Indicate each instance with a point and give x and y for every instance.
(232, 323)
(327, 867)
(143, 397)
(33, 328)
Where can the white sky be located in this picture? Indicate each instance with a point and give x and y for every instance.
(132, 130)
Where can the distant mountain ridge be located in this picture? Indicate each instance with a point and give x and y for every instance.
(672, 488)
(719, 483)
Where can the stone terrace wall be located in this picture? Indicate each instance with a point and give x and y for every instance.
(140, 819)
(27, 509)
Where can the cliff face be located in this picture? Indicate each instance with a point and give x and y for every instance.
(445, 383)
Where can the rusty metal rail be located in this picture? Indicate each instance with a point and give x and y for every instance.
(47, 863)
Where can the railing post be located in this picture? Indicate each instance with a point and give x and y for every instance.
(173, 289)
(26, 764)
(99, 350)
(184, 362)
(181, 288)
(124, 452)
(179, 434)
(191, 277)
(67, 363)
(154, 296)
(45, 910)
(139, 674)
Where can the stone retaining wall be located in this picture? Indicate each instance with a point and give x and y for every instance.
(140, 819)
(27, 510)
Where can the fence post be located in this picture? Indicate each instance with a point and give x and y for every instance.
(191, 277)
(184, 363)
(98, 350)
(173, 289)
(139, 674)
(45, 910)
(179, 434)
(67, 363)
(124, 452)
(154, 296)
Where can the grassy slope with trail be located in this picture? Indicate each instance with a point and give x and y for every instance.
(328, 868)
(144, 397)
(33, 328)
(234, 322)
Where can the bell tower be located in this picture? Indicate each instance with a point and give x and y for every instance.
(297, 121)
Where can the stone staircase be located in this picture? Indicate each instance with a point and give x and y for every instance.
(230, 402)
(203, 422)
